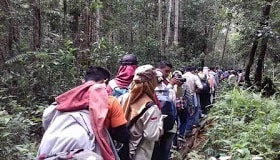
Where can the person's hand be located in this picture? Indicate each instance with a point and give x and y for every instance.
(191, 112)
(179, 83)
(174, 81)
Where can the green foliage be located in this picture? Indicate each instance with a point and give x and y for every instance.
(245, 124)
(32, 81)
(106, 55)
(15, 138)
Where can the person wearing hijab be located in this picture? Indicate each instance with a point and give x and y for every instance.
(124, 77)
(149, 126)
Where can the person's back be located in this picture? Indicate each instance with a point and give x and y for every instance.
(65, 132)
(120, 84)
(192, 81)
(233, 78)
(81, 111)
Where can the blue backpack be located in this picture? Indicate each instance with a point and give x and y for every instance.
(117, 91)
(167, 108)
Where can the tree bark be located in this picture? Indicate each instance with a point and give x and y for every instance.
(263, 24)
(225, 44)
(97, 26)
(251, 61)
(160, 26)
(88, 28)
(64, 17)
(260, 62)
(12, 24)
(176, 23)
(75, 30)
(36, 29)
(167, 34)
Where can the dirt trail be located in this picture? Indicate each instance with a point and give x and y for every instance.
(195, 142)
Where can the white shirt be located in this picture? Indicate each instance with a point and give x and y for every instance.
(192, 81)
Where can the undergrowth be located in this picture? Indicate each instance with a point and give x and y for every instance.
(245, 125)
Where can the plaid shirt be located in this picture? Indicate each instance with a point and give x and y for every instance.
(181, 102)
(186, 100)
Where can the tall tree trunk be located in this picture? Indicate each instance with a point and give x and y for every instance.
(225, 44)
(97, 26)
(167, 34)
(259, 69)
(263, 24)
(36, 29)
(87, 17)
(146, 22)
(160, 26)
(251, 60)
(75, 30)
(260, 62)
(176, 23)
(64, 17)
(12, 25)
(131, 35)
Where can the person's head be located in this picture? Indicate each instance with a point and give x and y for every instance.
(97, 74)
(190, 69)
(178, 75)
(205, 70)
(129, 59)
(239, 70)
(146, 74)
(165, 67)
(193, 69)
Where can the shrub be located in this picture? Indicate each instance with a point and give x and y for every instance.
(245, 124)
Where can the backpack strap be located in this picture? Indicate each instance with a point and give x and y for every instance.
(113, 84)
(134, 120)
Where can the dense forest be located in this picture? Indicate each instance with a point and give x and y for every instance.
(46, 46)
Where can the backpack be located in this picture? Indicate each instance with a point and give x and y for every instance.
(205, 86)
(124, 149)
(117, 91)
(167, 108)
(68, 134)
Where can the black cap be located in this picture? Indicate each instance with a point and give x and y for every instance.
(129, 59)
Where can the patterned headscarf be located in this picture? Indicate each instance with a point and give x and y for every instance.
(142, 91)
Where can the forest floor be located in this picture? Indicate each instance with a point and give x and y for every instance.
(194, 143)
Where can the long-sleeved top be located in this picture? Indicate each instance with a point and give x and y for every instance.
(193, 82)
(144, 133)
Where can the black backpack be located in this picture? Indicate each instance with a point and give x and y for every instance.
(205, 86)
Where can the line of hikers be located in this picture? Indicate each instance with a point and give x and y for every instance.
(139, 115)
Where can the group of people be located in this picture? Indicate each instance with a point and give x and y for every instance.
(139, 114)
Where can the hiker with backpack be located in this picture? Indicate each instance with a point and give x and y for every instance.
(183, 105)
(166, 97)
(205, 92)
(194, 84)
(120, 84)
(166, 92)
(143, 115)
(77, 123)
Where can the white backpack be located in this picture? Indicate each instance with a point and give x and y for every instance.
(68, 134)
